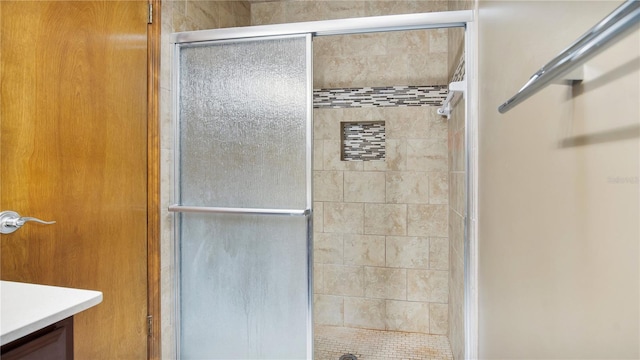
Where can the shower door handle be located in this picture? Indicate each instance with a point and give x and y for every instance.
(246, 211)
(11, 221)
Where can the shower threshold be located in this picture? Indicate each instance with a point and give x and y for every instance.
(330, 343)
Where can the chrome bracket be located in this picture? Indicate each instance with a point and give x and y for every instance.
(456, 89)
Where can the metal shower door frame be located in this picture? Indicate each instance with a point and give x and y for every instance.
(418, 21)
(306, 212)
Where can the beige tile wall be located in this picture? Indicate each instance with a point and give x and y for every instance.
(181, 16)
(380, 227)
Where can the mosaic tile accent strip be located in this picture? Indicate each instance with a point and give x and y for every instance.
(363, 141)
(458, 75)
(387, 96)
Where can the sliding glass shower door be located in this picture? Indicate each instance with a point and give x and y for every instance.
(243, 110)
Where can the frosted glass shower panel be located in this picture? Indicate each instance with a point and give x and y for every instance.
(244, 281)
(244, 139)
(243, 114)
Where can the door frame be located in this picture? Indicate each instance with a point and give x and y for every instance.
(417, 21)
(153, 181)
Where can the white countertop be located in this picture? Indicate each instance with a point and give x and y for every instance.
(25, 308)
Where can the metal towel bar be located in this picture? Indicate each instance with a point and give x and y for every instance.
(604, 34)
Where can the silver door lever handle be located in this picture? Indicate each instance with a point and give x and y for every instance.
(11, 221)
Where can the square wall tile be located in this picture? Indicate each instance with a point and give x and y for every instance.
(268, 13)
(364, 250)
(202, 14)
(166, 64)
(344, 71)
(368, 113)
(385, 283)
(458, 192)
(318, 279)
(318, 156)
(427, 220)
(328, 310)
(408, 252)
(438, 125)
(338, 45)
(407, 187)
(396, 157)
(382, 70)
(318, 217)
(346, 218)
(326, 123)
(364, 313)
(407, 316)
(364, 186)
(438, 188)
(377, 8)
(328, 185)
(415, 41)
(385, 219)
(456, 232)
(344, 280)
(429, 6)
(456, 149)
(427, 155)
(429, 69)
(428, 285)
(439, 253)
(327, 248)
(166, 118)
(438, 41)
(323, 10)
(438, 319)
(407, 123)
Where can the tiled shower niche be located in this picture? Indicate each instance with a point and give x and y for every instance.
(363, 141)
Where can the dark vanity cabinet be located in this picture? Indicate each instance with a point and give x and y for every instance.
(54, 342)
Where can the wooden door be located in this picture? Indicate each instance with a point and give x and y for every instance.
(73, 148)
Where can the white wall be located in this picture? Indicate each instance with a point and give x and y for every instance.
(559, 195)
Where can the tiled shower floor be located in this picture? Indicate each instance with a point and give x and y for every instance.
(332, 342)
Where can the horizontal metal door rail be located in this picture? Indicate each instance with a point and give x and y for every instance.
(245, 211)
(434, 20)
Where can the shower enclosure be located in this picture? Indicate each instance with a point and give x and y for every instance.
(243, 111)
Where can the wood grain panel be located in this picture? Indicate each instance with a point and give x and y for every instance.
(74, 147)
